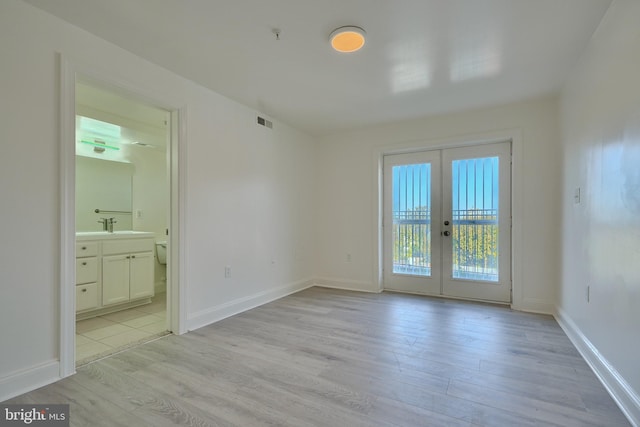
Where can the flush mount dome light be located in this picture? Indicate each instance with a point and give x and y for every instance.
(347, 39)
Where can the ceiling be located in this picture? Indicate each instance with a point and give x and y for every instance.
(422, 57)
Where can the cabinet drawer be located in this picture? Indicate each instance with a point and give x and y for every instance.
(86, 249)
(86, 270)
(86, 296)
(112, 247)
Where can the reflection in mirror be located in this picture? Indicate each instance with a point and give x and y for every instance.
(104, 185)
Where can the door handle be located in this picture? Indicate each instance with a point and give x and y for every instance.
(446, 233)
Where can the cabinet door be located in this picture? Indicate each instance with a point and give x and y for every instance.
(115, 279)
(86, 270)
(86, 296)
(141, 275)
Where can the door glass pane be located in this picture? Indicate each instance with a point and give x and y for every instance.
(411, 212)
(475, 219)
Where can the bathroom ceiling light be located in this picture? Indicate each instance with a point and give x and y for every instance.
(347, 39)
(92, 129)
(99, 144)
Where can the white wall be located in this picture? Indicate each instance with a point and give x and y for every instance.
(601, 235)
(150, 185)
(347, 193)
(151, 199)
(248, 199)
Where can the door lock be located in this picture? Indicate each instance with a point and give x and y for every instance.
(446, 232)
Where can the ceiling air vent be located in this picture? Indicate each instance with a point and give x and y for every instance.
(264, 122)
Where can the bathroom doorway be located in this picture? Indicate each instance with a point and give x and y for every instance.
(122, 217)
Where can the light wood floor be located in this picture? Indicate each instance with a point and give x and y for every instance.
(334, 358)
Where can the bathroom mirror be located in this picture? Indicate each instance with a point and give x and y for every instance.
(105, 185)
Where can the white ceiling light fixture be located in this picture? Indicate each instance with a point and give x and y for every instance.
(347, 39)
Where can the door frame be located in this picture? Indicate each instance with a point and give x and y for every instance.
(440, 282)
(513, 135)
(69, 73)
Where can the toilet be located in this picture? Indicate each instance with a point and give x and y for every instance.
(161, 251)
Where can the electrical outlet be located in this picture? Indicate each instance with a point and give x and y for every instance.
(227, 272)
(348, 257)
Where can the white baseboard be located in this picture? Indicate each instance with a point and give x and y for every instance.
(217, 313)
(622, 393)
(533, 305)
(29, 379)
(346, 284)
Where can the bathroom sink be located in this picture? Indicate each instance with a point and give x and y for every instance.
(91, 235)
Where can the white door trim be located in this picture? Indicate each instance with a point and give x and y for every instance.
(517, 196)
(67, 217)
(176, 312)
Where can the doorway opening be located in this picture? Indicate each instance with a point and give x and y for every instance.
(121, 220)
(71, 296)
(447, 222)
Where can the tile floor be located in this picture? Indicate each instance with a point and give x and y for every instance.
(107, 334)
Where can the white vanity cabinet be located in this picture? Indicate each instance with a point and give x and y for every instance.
(114, 272)
(127, 270)
(86, 275)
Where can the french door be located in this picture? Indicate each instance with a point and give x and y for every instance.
(447, 222)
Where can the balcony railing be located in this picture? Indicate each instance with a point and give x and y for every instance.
(474, 234)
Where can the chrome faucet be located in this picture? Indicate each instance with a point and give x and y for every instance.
(110, 224)
(105, 223)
